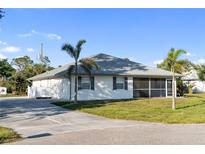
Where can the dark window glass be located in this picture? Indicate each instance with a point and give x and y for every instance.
(141, 83)
(141, 93)
(85, 85)
(169, 87)
(119, 86)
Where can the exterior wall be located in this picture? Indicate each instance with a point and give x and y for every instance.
(55, 88)
(199, 86)
(104, 90)
(60, 89)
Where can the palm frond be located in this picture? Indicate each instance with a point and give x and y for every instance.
(70, 70)
(69, 49)
(172, 63)
(178, 53)
(185, 63)
(1, 13)
(86, 69)
(88, 64)
(170, 58)
(79, 47)
(178, 68)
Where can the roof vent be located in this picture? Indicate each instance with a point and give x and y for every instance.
(126, 59)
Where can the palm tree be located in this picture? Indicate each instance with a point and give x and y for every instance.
(173, 64)
(87, 64)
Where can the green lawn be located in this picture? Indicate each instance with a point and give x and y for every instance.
(190, 109)
(8, 135)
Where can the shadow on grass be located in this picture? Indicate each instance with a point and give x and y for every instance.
(88, 104)
(192, 96)
(192, 105)
(99, 103)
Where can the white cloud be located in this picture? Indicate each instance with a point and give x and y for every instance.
(30, 49)
(10, 49)
(54, 36)
(157, 62)
(188, 54)
(2, 56)
(47, 35)
(3, 43)
(29, 34)
(200, 61)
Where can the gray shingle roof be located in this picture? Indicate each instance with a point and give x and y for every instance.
(109, 65)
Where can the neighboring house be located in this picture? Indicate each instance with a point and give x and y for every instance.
(191, 78)
(117, 78)
(3, 90)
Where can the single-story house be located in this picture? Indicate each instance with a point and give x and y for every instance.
(192, 78)
(116, 78)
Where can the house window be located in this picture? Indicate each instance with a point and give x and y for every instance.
(120, 83)
(85, 82)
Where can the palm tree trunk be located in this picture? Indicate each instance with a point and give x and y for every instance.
(173, 92)
(76, 86)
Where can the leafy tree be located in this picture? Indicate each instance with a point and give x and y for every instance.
(6, 69)
(86, 64)
(173, 64)
(182, 66)
(200, 68)
(41, 68)
(20, 82)
(22, 63)
(26, 68)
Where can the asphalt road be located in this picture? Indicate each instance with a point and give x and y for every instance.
(40, 122)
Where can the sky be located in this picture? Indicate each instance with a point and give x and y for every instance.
(142, 35)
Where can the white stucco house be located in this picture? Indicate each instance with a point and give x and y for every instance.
(117, 78)
(193, 79)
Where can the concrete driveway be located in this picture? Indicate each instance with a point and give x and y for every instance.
(40, 122)
(39, 118)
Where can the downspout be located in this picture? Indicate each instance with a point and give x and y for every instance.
(70, 88)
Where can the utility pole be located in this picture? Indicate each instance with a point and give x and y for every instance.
(43, 59)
